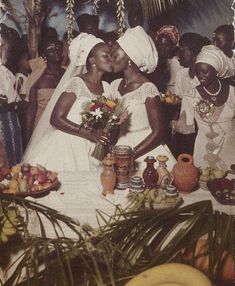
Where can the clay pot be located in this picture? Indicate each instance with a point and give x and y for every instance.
(108, 176)
(185, 174)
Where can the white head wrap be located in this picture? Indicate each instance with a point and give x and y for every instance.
(80, 48)
(213, 56)
(78, 51)
(140, 48)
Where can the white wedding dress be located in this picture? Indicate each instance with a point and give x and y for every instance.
(60, 151)
(137, 128)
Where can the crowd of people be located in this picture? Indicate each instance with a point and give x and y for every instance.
(41, 99)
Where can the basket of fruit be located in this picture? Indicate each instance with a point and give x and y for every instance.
(207, 174)
(26, 180)
(223, 189)
(154, 199)
(170, 98)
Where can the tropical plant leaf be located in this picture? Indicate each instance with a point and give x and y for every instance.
(124, 244)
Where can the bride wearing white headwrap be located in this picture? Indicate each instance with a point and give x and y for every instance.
(212, 105)
(144, 132)
(58, 142)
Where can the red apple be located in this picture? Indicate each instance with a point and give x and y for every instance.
(42, 178)
(5, 171)
(25, 168)
(225, 184)
(30, 181)
(33, 170)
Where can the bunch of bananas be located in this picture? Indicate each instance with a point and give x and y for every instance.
(8, 225)
(170, 274)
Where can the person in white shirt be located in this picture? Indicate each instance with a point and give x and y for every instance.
(190, 45)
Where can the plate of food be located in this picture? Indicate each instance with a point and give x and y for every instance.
(219, 183)
(25, 180)
(223, 190)
(156, 198)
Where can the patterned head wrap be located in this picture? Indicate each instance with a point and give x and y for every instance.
(213, 56)
(81, 46)
(140, 48)
(169, 31)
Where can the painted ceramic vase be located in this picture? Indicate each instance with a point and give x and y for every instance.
(185, 174)
(123, 165)
(150, 175)
(164, 176)
(108, 176)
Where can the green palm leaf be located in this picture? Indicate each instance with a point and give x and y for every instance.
(128, 243)
(155, 7)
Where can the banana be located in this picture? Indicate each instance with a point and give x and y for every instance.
(3, 237)
(9, 231)
(171, 274)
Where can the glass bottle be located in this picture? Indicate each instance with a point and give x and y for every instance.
(163, 174)
(150, 175)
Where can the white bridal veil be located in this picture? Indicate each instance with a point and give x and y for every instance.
(78, 52)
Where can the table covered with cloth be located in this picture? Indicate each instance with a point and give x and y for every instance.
(80, 196)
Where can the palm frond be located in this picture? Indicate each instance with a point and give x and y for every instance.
(155, 7)
(128, 243)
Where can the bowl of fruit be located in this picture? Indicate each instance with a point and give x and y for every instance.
(223, 189)
(155, 198)
(170, 98)
(26, 180)
(207, 174)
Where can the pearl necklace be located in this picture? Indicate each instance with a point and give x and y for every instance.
(213, 95)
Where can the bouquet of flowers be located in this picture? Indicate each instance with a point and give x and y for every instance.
(103, 113)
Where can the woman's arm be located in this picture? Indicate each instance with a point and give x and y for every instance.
(60, 121)
(31, 112)
(157, 124)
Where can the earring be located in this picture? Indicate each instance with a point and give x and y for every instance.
(93, 65)
(129, 63)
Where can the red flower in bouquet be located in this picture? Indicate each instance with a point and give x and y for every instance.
(102, 113)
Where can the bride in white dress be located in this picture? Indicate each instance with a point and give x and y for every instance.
(144, 132)
(59, 142)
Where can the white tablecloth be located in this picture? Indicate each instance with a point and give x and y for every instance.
(80, 195)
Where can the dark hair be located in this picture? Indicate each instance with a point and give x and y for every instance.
(135, 13)
(194, 42)
(110, 37)
(227, 30)
(85, 19)
(14, 42)
(49, 32)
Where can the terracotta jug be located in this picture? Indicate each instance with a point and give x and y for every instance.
(108, 176)
(185, 174)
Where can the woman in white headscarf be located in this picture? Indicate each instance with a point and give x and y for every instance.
(145, 130)
(212, 105)
(59, 142)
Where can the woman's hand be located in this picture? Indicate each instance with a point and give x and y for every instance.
(123, 117)
(102, 137)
